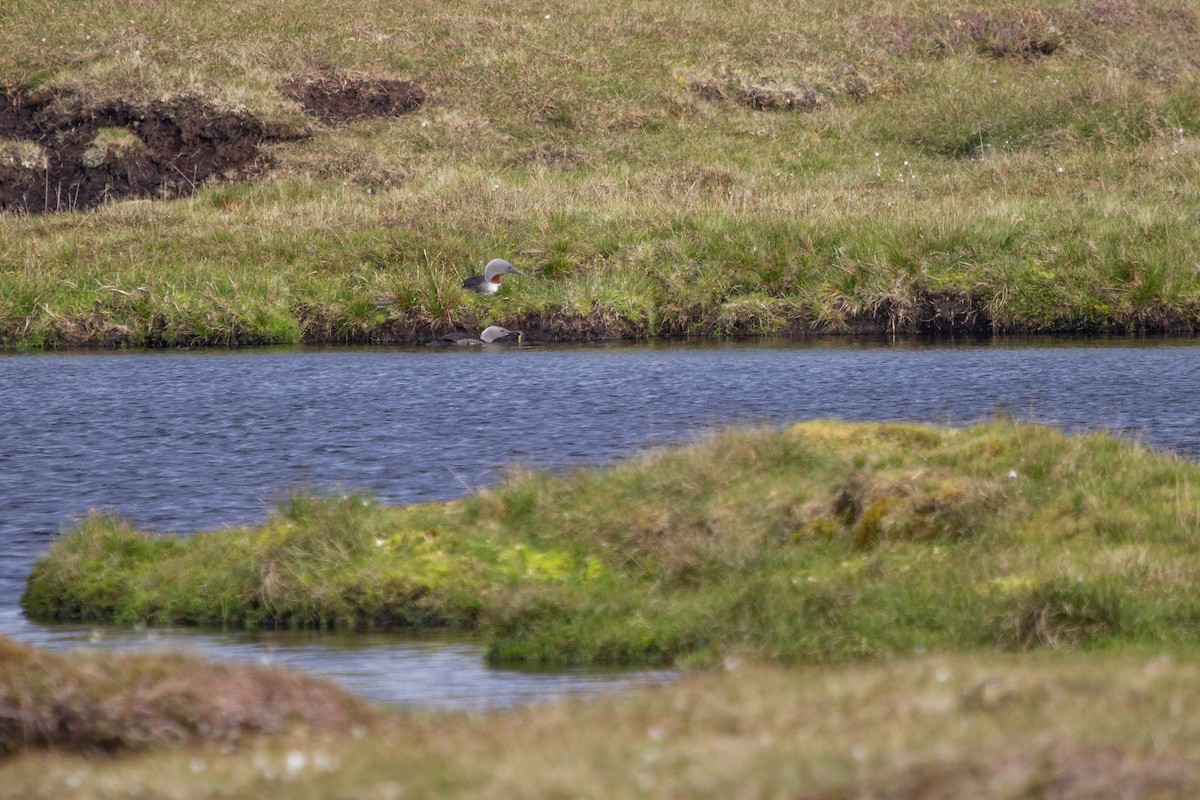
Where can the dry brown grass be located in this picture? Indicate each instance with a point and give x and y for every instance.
(943, 727)
(109, 703)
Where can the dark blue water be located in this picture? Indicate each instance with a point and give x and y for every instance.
(188, 441)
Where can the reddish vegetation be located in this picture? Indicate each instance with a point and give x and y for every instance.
(1114, 13)
(1056, 773)
(1000, 33)
(108, 702)
(553, 156)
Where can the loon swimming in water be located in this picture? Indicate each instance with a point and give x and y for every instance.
(489, 281)
(492, 334)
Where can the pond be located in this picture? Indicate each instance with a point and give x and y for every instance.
(184, 441)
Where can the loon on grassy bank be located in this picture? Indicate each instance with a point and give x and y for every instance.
(489, 281)
(492, 334)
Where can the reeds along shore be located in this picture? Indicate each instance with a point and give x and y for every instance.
(827, 541)
(682, 169)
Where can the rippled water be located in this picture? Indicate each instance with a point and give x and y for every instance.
(431, 670)
(193, 440)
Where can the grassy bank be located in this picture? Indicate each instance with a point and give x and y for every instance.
(657, 168)
(99, 702)
(1062, 726)
(823, 542)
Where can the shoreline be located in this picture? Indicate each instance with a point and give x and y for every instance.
(87, 334)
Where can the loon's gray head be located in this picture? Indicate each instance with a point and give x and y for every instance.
(489, 281)
(494, 332)
(497, 267)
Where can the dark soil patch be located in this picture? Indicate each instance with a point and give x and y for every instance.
(16, 114)
(336, 100)
(708, 89)
(950, 312)
(773, 98)
(767, 95)
(60, 152)
(928, 312)
(66, 153)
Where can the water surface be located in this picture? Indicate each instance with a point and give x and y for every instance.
(184, 441)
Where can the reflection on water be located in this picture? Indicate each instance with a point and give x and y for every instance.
(195, 440)
(429, 669)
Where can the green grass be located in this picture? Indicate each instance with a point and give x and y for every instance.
(827, 541)
(1037, 162)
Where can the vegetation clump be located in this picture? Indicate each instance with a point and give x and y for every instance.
(824, 541)
(105, 702)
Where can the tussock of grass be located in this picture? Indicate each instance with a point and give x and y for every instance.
(1037, 162)
(825, 541)
(107, 702)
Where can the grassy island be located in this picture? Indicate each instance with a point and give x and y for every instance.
(826, 541)
(267, 172)
(1032, 591)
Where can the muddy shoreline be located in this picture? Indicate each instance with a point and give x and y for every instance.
(944, 315)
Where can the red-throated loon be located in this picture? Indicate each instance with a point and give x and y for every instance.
(489, 281)
(492, 334)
